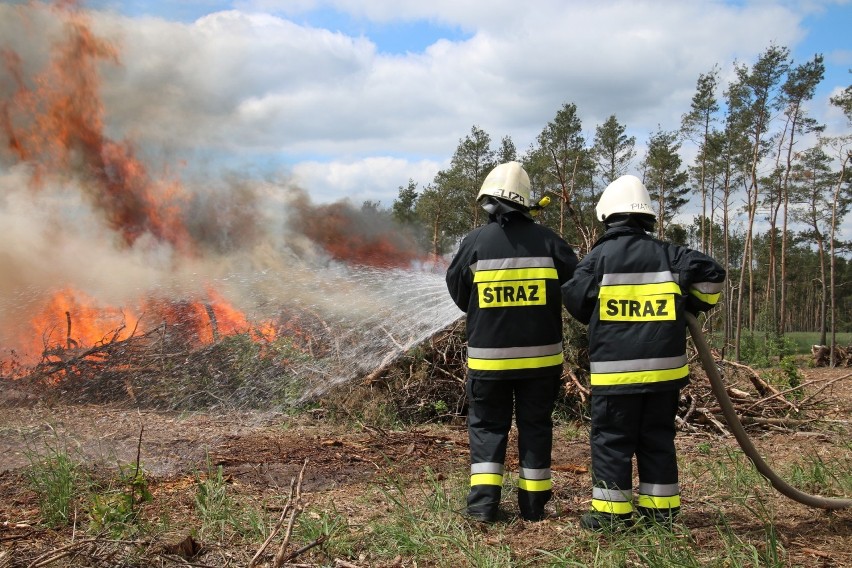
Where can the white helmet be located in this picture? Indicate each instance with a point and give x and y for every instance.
(626, 194)
(507, 181)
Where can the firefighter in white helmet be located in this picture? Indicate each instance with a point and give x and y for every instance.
(632, 290)
(506, 276)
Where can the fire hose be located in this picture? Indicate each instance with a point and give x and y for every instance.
(734, 423)
(740, 434)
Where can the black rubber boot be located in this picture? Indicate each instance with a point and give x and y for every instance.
(481, 517)
(658, 517)
(605, 522)
(483, 503)
(531, 504)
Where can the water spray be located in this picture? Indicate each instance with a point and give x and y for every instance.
(742, 437)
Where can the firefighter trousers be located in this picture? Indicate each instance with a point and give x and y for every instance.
(492, 404)
(624, 425)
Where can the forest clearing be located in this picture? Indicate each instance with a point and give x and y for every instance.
(218, 372)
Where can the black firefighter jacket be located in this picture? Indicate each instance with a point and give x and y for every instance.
(632, 290)
(506, 276)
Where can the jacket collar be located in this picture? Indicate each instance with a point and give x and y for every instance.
(615, 232)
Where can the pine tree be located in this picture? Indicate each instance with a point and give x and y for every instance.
(664, 178)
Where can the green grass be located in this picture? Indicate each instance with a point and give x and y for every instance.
(222, 515)
(422, 521)
(115, 508)
(798, 342)
(726, 472)
(813, 474)
(805, 339)
(57, 480)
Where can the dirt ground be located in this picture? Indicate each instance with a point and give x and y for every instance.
(262, 453)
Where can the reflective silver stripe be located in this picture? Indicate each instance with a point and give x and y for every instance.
(659, 489)
(528, 473)
(708, 287)
(486, 467)
(652, 364)
(514, 352)
(637, 278)
(621, 495)
(507, 263)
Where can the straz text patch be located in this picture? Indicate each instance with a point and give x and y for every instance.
(510, 293)
(623, 307)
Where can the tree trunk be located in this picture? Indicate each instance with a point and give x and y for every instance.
(745, 265)
(832, 287)
(729, 330)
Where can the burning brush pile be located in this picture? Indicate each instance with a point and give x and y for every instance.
(121, 284)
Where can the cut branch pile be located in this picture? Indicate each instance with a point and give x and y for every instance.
(426, 384)
(757, 402)
(822, 356)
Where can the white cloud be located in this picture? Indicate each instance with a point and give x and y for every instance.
(369, 179)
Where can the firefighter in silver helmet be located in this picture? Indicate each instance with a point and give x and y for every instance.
(632, 290)
(506, 276)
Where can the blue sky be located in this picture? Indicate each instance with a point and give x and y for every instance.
(395, 36)
(828, 32)
(351, 98)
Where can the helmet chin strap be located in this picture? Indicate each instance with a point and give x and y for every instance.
(499, 207)
(490, 204)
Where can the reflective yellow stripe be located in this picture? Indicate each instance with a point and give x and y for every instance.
(637, 377)
(535, 484)
(514, 274)
(706, 298)
(514, 364)
(651, 502)
(636, 290)
(486, 479)
(613, 507)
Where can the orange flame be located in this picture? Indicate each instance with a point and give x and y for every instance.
(351, 236)
(57, 126)
(73, 320)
